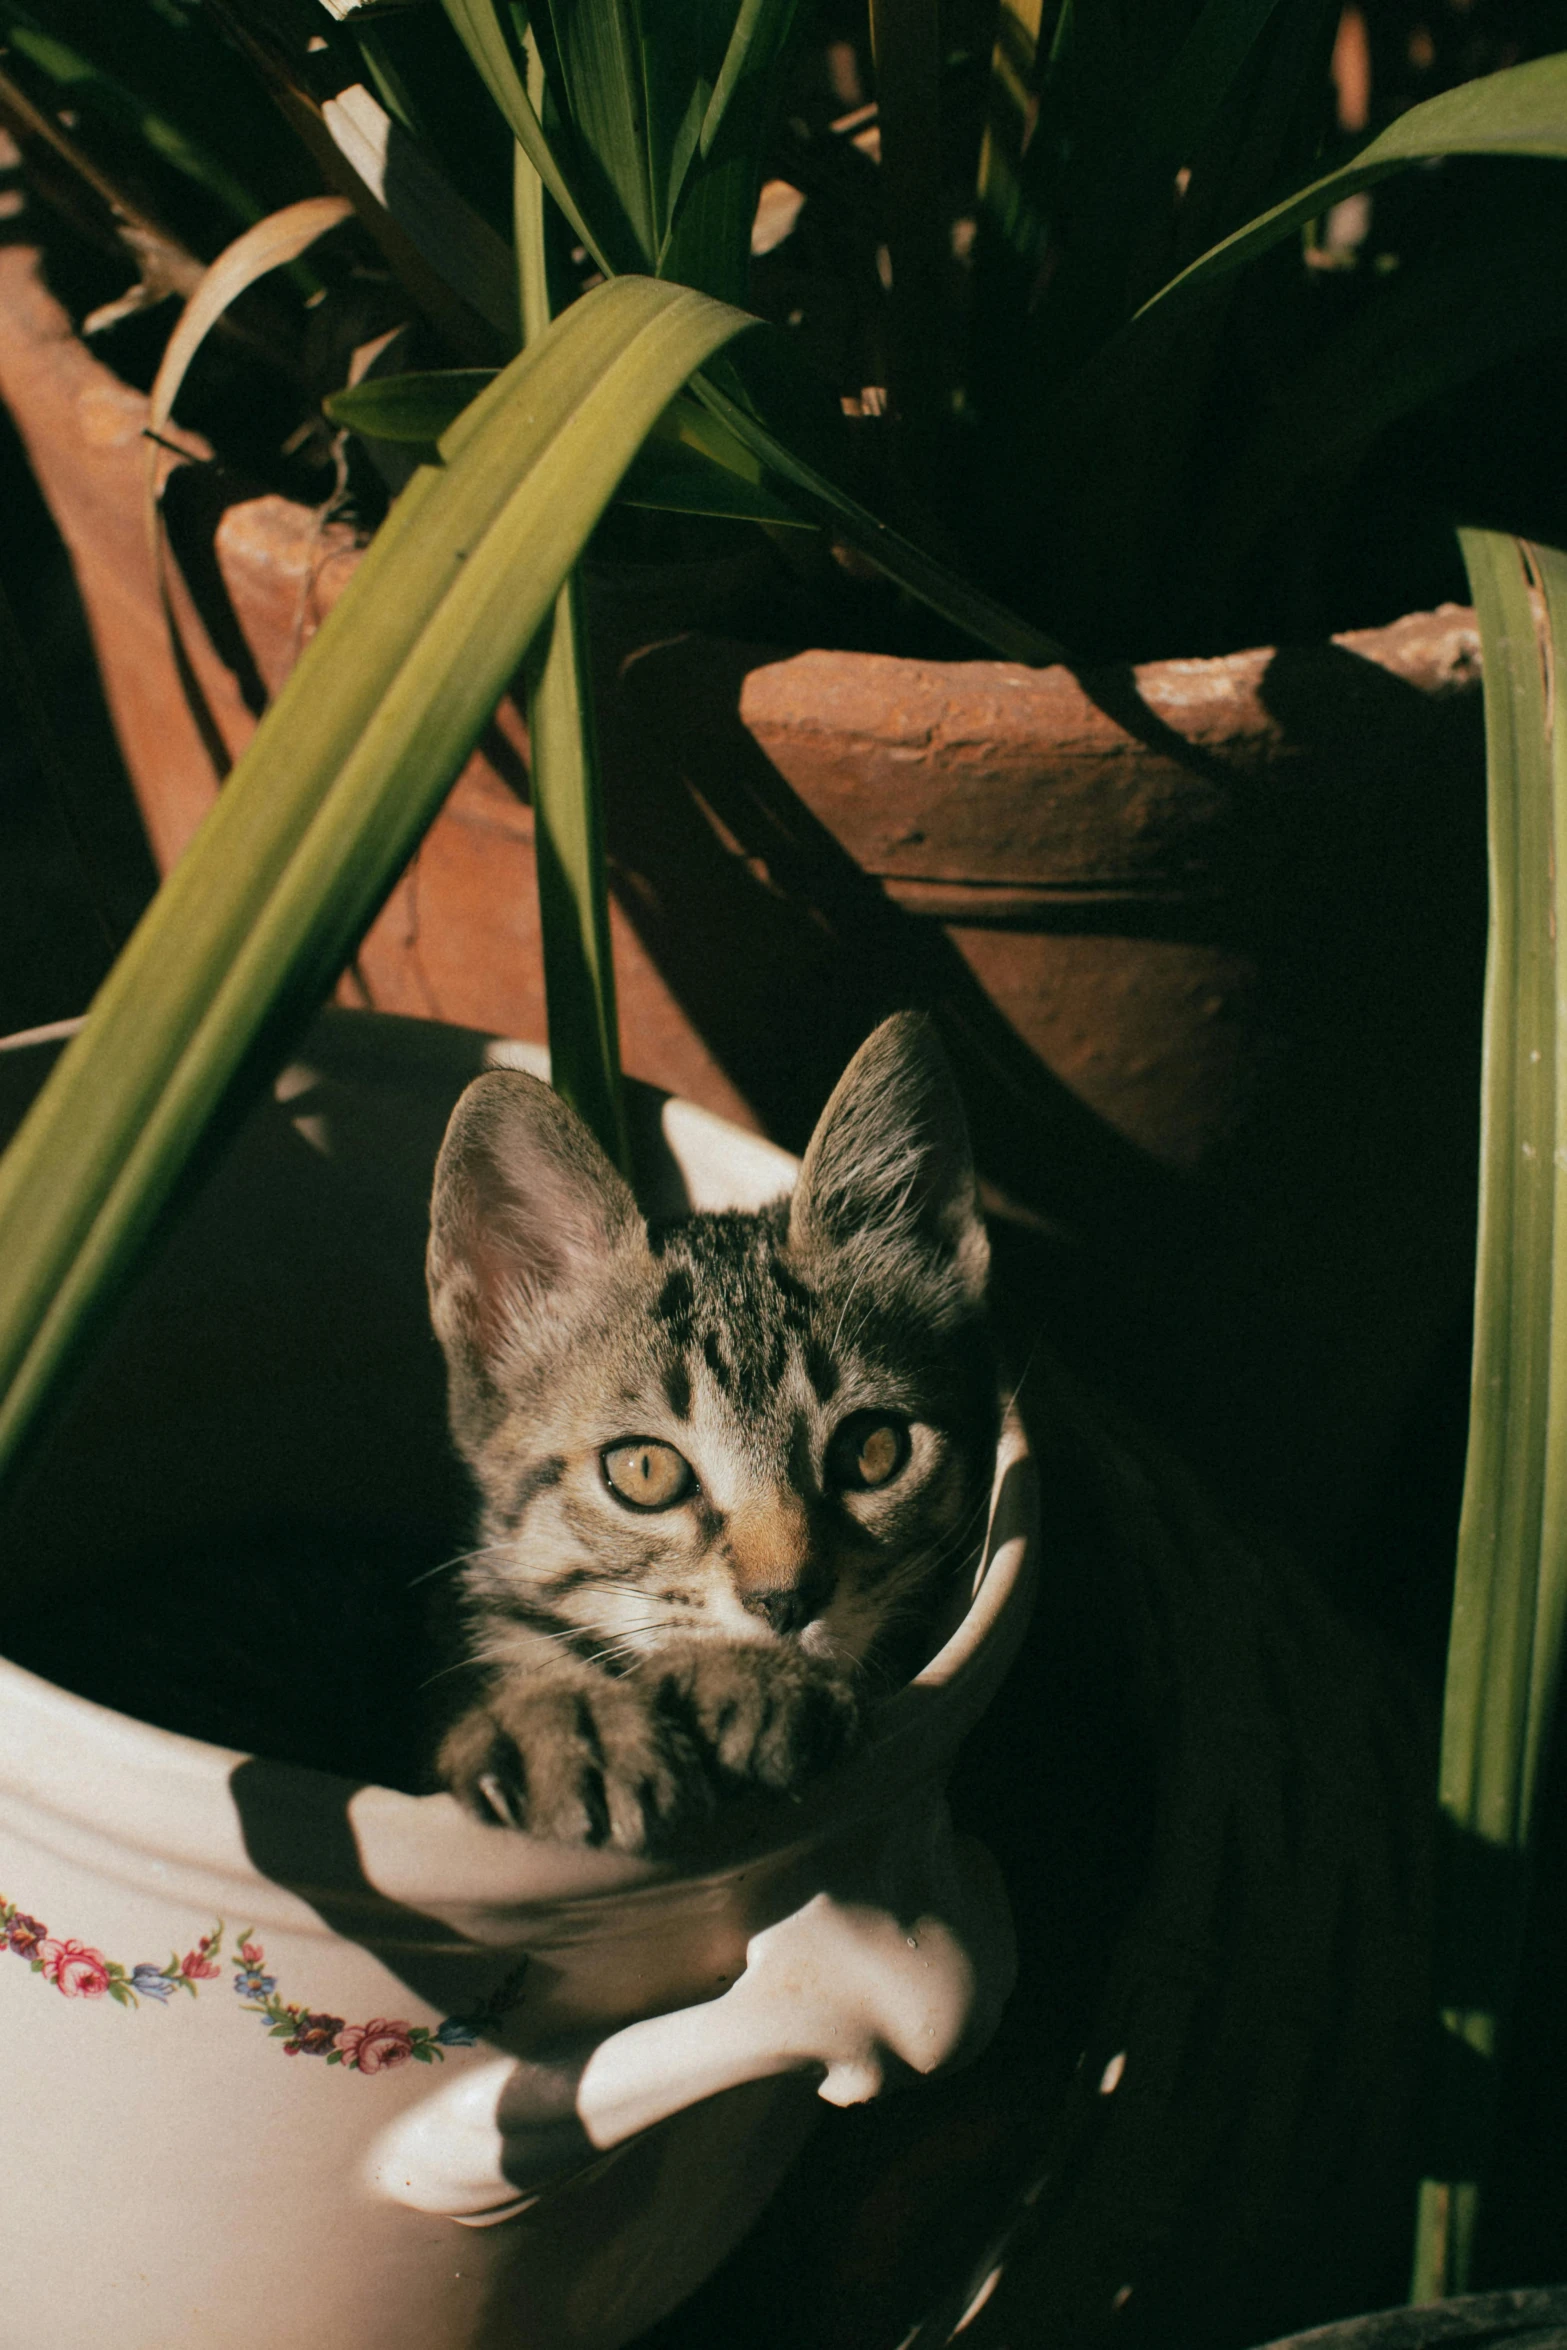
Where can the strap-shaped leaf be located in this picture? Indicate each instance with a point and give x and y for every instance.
(610, 176)
(709, 455)
(403, 180)
(712, 169)
(1177, 115)
(344, 773)
(412, 408)
(127, 111)
(935, 583)
(1508, 289)
(669, 474)
(1520, 111)
(479, 26)
(267, 245)
(1505, 1652)
(570, 862)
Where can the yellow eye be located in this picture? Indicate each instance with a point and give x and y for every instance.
(868, 1450)
(648, 1475)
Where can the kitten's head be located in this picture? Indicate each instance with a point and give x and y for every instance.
(772, 1427)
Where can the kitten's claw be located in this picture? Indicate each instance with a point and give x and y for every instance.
(488, 1785)
(576, 1765)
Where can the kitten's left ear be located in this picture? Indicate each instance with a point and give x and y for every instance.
(890, 1162)
(526, 1210)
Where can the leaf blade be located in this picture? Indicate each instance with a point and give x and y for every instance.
(570, 867)
(416, 408)
(1520, 111)
(346, 769)
(924, 575)
(1505, 1654)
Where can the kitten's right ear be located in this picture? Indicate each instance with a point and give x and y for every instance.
(889, 1167)
(525, 1205)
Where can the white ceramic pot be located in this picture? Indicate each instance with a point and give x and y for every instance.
(295, 2060)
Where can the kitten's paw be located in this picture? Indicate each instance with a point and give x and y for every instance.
(574, 1765)
(767, 1717)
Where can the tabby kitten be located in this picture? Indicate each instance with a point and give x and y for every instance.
(728, 1468)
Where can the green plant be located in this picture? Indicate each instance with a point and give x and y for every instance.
(1509, 1632)
(1145, 178)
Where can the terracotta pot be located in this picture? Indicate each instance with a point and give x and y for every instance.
(379, 2018)
(1205, 936)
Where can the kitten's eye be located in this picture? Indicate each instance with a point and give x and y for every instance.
(648, 1475)
(868, 1450)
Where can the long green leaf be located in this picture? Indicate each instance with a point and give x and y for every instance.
(671, 473)
(345, 771)
(670, 477)
(126, 110)
(568, 803)
(923, 575)
(1520, 111)
(1505, 1652)
(1398, 354)
(610, 90)
(267, 245)
(616, 145)
(568, 820)
(712, 176)
(710, 455)
(761, 28)
(1179, 113)
(1011, 108)
(412, 408)
(479, 26)
(420, 199)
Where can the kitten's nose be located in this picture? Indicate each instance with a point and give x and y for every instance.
(777, 1570)
(788, 1607)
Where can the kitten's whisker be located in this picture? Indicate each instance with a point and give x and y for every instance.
(462, 1664)
(464, 1558)
(1018, 1382)
(616, 1652)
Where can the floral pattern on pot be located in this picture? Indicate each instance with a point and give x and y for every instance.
(77, 1971)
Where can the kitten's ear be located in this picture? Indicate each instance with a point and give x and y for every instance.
(525, 1206)
(890, 1162)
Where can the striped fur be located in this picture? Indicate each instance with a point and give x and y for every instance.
(628, 1665)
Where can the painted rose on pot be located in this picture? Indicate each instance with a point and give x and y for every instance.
(74, 1969)
(375, 2047)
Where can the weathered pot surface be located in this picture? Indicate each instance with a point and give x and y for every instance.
(1532, 2314)
(380, 2018)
